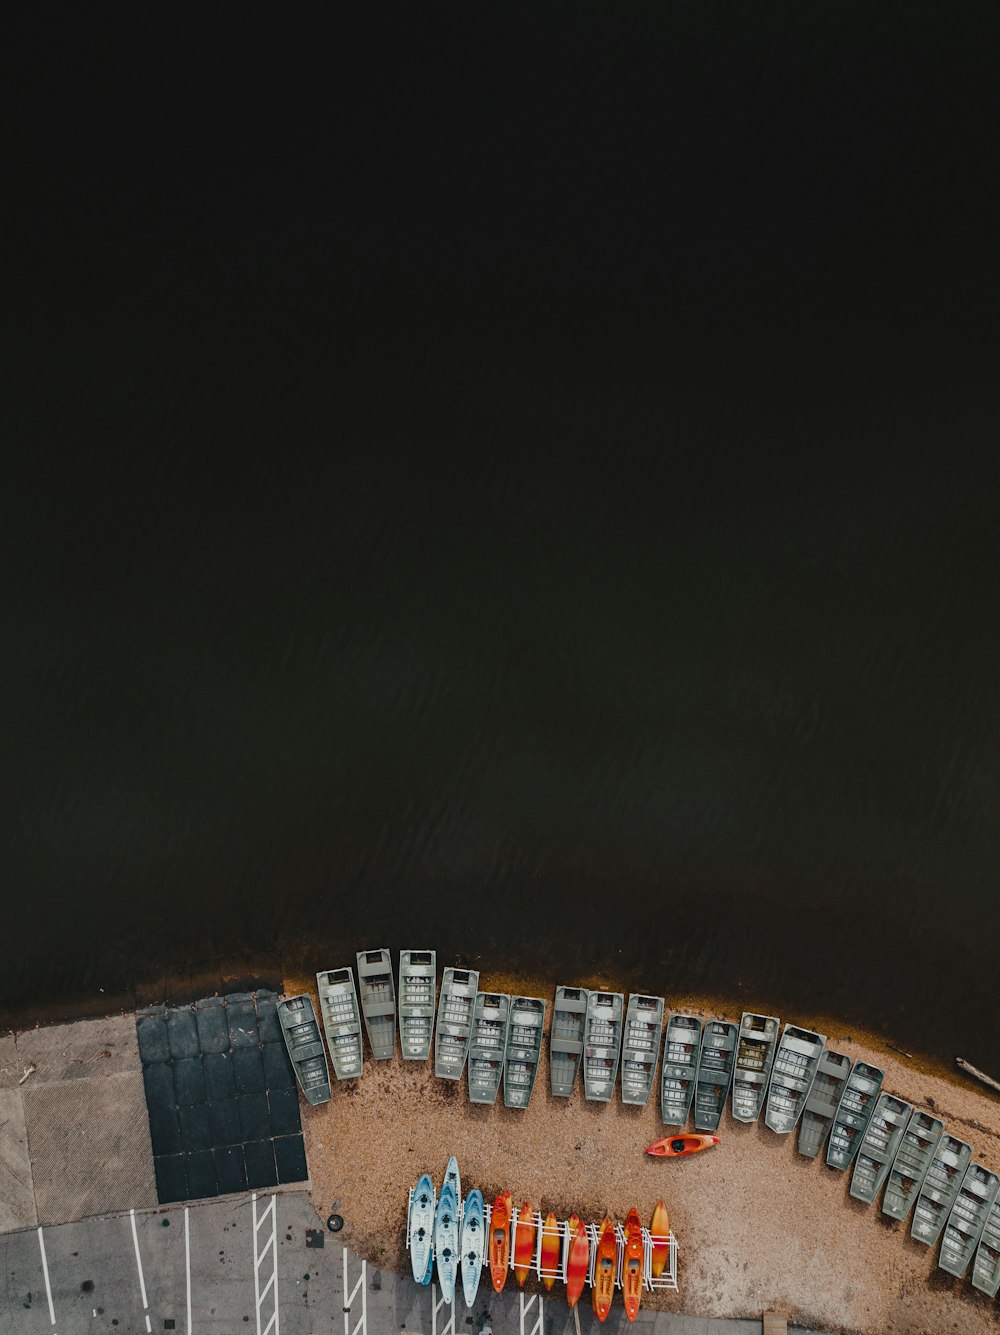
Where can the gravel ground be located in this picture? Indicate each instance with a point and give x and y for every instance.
(759, 1227)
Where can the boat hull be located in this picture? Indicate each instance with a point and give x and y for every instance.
(473, 1245)
(422, 1212)
(659, 1229)
(676, 1147)
(578, 1260)
(499, 1244)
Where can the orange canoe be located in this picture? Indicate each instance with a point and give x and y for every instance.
(578, 1261)
(524, 1242)
(675, 1146)
(632, 1275)
(500, 1240)
(550, 1249)
(660, 1228)
(604, 1270)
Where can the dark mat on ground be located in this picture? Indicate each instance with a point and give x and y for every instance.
(221, 1097)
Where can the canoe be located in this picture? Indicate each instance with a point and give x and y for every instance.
(659, 1232)
(378, 1002)
(577, 1260)
(967, 1219)
(473, 1244)
(986, 1267)
(454, 1022)
(602, 1044)
(681, 1052)
(675, 1147)
(551, 1248)
(940, 1188)
(305, 1047)
(850, 1122)
(569, 1016)
(338, 1005)
(605, 1257)
(795, 1065)
(446, 1241)
(417, 985)
(878, 1147)
(911, 1162)
(421, 1224)
(640, 1047)
(632, 1265)
(524, 1242)
(715, 1073)
(500, 1240)
(824, 1099)
(524, 1050)
(754, 1058)
(487, 1045)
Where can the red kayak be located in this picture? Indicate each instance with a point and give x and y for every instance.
(579, 1259)
(675, 1146)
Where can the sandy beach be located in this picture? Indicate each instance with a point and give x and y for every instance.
(758, 1226)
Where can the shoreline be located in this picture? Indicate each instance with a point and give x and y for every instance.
(759, 1226)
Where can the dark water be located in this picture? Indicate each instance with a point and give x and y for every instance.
(588, 600)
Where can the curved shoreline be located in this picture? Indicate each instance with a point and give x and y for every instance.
(758, 1225)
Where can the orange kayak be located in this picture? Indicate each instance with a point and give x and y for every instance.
(578, 1261)
(660, 1228)
(604, 1270)
(675, 1146)
(632, 1275)
(550, 1249)
(500, 1240)
(524, 1242)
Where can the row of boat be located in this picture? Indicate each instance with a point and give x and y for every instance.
(787, 1073)
(466, 1236)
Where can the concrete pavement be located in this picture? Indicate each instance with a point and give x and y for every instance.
(261, 1264)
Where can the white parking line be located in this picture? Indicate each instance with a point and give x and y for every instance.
(142, 1282)
(45, 1272)
(187, 1266)
(258, 1259)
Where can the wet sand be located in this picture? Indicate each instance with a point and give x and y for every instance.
(759, 1227)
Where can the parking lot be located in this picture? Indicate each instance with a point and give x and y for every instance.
(260, 1263)
(199, 1268)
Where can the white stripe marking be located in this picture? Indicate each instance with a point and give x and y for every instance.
(45, 1272)
(187, 1266)
(138, 1262)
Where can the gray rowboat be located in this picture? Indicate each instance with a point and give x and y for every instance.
(602, 1044)
(878, 1148)
(857, 1104)
(640, 1047)
(378, 1001)
(967, 1219)
(338, 1005)
(524, 1050)
(681, 1051)
(754, 1058)
(487, 1045)
(823, 1101)
(986, 1267)
(454, 1022)
(795, 1065)
(305, 1047)
(940, 1188)
(909, 1167)
(569, 1018)
(715, 1072)
(417, 988)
